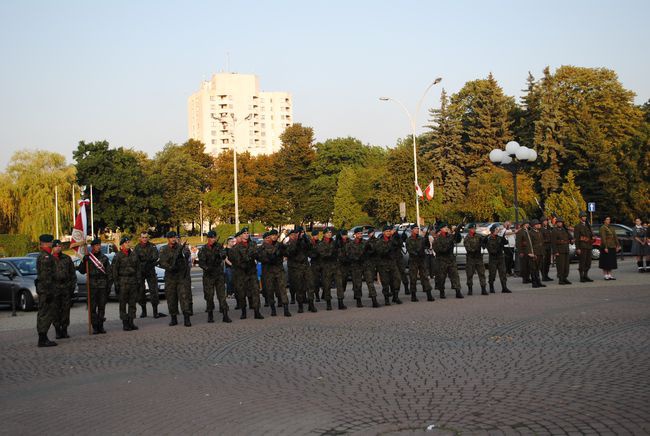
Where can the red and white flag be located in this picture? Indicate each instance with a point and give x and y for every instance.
(418, 190)
(80, 230)
(429, 191)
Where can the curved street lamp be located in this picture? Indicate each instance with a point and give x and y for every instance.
(412, 122)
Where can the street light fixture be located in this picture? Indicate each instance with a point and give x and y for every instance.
(412, 122)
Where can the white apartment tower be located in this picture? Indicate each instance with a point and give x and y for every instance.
(229, 110)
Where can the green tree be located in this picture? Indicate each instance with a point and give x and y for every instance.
(347, 210)
(567, 203)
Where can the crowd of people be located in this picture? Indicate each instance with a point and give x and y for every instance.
(316, 264)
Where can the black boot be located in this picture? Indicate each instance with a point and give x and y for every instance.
(312, 308)
(504, 288)
(442, 294)
(286, 310)
(375, 303)
(317, 295)
(342, 305)
(273, 310)
(396, 299)
(359, 303)
(186, 321)
(491, 287)
(258, 315)
(469, 289)
(133, 326)
(100, 327)
(243, 313)
(293, 298)
(407, 291)
(95, 328)
(58, 333)
(301, 308)
(126, 325)
(237, 306)
(266, 303)
(459, 294)
(430, 296)
(173, 321)
(64, 332)
(329, 305)
(210, 316)
(414, 297)
(143, 313)
(225, 317)
(386, 300)
(43, 341)
(157, 314)
(587, 279)
(483, 290)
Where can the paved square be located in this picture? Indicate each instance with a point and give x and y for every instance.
(562, 360)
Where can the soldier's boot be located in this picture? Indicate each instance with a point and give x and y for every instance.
(243, 313)
(95, 328)
(43, 341)
(258, 315)
(342, 305)
(386, 300)
(407, 291)
(157, 314)
(459, 294)
(312, 308)
(210, 316)
(293, 298)
(58, 333)
(359, 303)
(469, 289)
(126, 325)
(396, 299)
(430, 296)
(186, 321)
(413, 296)
(225, 317)
(100, 327)
(133, 326)
(317, 295)
(173, 321)
(237, 306)
(375, 303)
(273, 310)
(483, 290)
(64, 330)
(301, 308)
(491, 287)
(587, 279)
(442, 294)
(504, 287)
(286, 310)
(143, 313)
(329, 305)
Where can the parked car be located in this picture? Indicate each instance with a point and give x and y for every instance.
(17, 275)
(623, 233)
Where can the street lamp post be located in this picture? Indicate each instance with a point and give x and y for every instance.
(412, 121)
(201, 219)
(235, 123)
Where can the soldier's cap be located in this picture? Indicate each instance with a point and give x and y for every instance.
(343, 232)
(582, 213)
(244, 230)
(544, 218)
(211, 234)
(46, 238)
(265, 235)
(56, 243)
(414, 226)
(299, 229)
(493, 227)
(238, 234)
(535, 221)
(471, 225)
(273, 232)
(370, 228)
(524, 221)
(387, 227)
(357, 230)
(328, 230)
(442, 224)
(127, 239)
(559, 219)
(230, 238)
(96, 241)
(315, 232)
(171, 234)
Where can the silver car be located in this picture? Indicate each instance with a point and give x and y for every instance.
(17, 275)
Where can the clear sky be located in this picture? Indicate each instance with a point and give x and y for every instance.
(123, 70)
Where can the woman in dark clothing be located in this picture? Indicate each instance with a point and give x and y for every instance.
(609, 246)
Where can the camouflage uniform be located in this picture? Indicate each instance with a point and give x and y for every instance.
(495, 246)
(444, 248)
(148, 255)
(47, 301)
(326, 250)
(387, 266)
(354, 251)
(271, 255)
(547, 252)
(175, 261)
(100, 283)
(342, 270)
(126, 276)
(535, 262)
(369, 266)
(415, 246)
(300, 273)
(244, 271)
(211, 262)
(473, 245)
(561, 238)
(584, 238)
(316, 268)
(65, 282)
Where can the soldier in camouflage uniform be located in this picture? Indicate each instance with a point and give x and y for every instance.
(584, 238)
(211, 257)
(473, 244)
(342, 266)
(316, 266)
(300, 279)
(444, 248)
(174, 259)
(327, 251)
(548, 254)
(387, 266)
(355, 253)
(370, 265)
(47, 309)
(126, 276)
(398, 255)
(147, 255)
(243, 257)
(415, 246)
(495, 245)
(522, 246)
(271, 255)
(535, 261)
(560, 239)
(65, 282)
(100, 281)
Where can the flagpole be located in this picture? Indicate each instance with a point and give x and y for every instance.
(74, 213)
(56, 210)
(88, 296)
(92, 221)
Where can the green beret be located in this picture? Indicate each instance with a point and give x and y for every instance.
(56, 243)
(244, 230)
(299, 229)
(328, 230)
(211, 234)
(358, 229)
(413, 226)
(534, 222)
(127, 239)
(265, 235)
(171, 234)
(315, 232)
(493, 227)
(471, 225)
(273, 232)
(96, 241)
(387, 227)
(46, 238)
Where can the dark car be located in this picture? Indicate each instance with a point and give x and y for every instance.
(17, 276)
(623, 233)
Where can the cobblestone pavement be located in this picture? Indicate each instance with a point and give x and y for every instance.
(562, 360)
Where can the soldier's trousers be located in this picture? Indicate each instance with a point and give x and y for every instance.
(417, 270)
(64, 303)
(497, 263)
(317, 275)
(151, 279)
(369, 276)
(475, 265)
(177, 290)
(47, 312)
(214, 284)
(299, 280)
(129, 293)
(533, 268)
(509, 259)
(401, 267)
(98, 298)
(329, 276)
(562, 266)
(524, 267)
(390, 278)
(584, 259)
(546, 262)
(276, 284)
(447, 267)
(247, 287)
(357, 279)
(342, 274)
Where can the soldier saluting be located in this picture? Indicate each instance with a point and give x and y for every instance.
(174, 259)
(45, 289)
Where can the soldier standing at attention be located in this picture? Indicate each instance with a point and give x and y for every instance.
(354, 253)
(271, 255)
(100, 281)
(548, 252)
(398, 256)
(126, 276)
(342, 266)
(174, 259)
(584, 238)
(561, 238)
(327, 254)
(370, 265)
(496, 246)
(316, 266)
(47, 309)
(535, 262)
(522, 244)
(300, 278)
(473, 244)
(65, 282)
(388, 272)
(211, 257)
(444, 248)
(243, 256)
(415, 246)
(147, 255)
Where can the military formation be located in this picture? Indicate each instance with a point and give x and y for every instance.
(313, 267)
